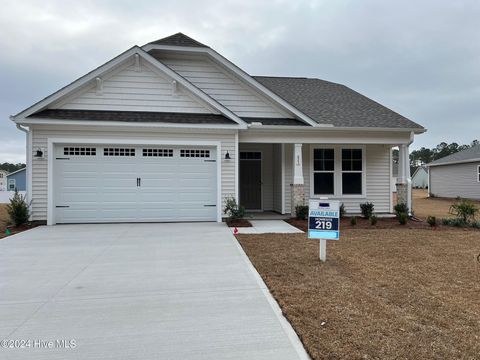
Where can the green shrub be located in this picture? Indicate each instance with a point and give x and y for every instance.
(18, 209)
(400, 208)
(353, 221)
(457, 222)
(233, 210)
(373, 220)
(402, 218)
(301, 212)
(464, 210)
(432, 221)
(367, 209)
(342, 210)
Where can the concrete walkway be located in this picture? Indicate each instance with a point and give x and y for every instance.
(268, 227)
(137, 291)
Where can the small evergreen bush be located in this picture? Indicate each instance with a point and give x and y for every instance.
(301, 212)
(402, 218)
(464, 210)
(373, 220)
(367, 209)
(353, 221)
(18, 210)
(342, 211)
(432, 221)
(233, 210)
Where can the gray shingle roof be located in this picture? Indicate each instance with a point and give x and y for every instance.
(178, 39)
(133, 116)
(470, 154)
(331, 103)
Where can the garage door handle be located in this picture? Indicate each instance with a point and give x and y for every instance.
(209, 205)
(139, 182)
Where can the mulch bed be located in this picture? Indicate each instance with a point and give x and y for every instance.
(15, 230)
(238, 223)
(382, 294)
(383, 223)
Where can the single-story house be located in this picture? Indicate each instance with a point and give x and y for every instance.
(17, 180)
(420, 178)
(3, 180)
(169, 130)
(456, 175)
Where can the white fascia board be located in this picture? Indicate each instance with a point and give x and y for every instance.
(43, 121)
(192, 88)
(334, 128)
(243, 75)
(455, 162)
(75, 84)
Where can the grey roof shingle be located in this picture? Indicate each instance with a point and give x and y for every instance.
(331, 103)
(178, 39)
(472, 154)
(132, 116)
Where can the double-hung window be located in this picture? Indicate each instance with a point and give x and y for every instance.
(324, 171)
(352, 172)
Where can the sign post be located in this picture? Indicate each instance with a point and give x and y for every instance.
(323, 222)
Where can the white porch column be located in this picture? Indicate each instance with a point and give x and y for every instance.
(297, 164)
(404, 181)
(298, 192)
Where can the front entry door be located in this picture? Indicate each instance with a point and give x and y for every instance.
(251, 180)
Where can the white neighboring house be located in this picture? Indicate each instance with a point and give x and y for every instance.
(3, 180)
(420, 178)
(170, 130)
(456, 175)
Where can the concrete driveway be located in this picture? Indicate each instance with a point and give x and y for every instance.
(136, 291)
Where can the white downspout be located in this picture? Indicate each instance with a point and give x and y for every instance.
(28, 161)
(409, 176)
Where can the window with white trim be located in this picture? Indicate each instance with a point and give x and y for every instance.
(352, 171)
(323, 171)
(11, 184)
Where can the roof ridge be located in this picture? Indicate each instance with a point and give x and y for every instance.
(178, 39)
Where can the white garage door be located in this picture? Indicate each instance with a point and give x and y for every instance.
(119, 183)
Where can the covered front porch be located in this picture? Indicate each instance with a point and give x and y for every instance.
(276, 177)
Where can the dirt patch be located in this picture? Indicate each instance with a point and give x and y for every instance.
(5, 222)
(238, 223)
(382, 294)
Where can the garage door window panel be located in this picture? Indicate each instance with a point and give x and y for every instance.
(118, 152)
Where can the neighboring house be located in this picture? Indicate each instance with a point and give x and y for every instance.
(17, 180)
(170, 130)
(3, 180)
(420, 178)
(456, 175)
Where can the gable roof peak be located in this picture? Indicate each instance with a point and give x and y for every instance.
(178, 39)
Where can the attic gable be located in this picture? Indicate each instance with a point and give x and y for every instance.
(136, 86)
(178, 39)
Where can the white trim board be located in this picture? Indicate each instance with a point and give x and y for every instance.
(65, 140)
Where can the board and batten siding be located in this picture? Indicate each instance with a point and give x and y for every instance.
(455, 180)
(377, 167)
(129, 90)
(225, 88)
(40, 135)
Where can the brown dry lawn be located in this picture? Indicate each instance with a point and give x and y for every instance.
(4, 219)
(383, 294)
(424, 206)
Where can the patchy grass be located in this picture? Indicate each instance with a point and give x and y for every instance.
(383, 294)
(4, 218)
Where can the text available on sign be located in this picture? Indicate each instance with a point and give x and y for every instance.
(323, 219)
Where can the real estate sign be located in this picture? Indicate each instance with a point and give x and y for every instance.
(323, 219)
(323, 222)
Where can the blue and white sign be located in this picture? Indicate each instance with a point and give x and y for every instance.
(323, 219)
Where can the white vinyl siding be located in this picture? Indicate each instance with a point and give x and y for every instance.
(267, 171)
(377, 168)
(455, 180)
(131, 90)
(226, 89)
(40, 135)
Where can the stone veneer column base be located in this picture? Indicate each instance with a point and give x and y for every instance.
(298, 196)
(402, 194)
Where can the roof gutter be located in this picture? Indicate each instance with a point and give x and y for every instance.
(412, 131)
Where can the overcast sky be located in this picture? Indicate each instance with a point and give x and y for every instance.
(419, 58)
